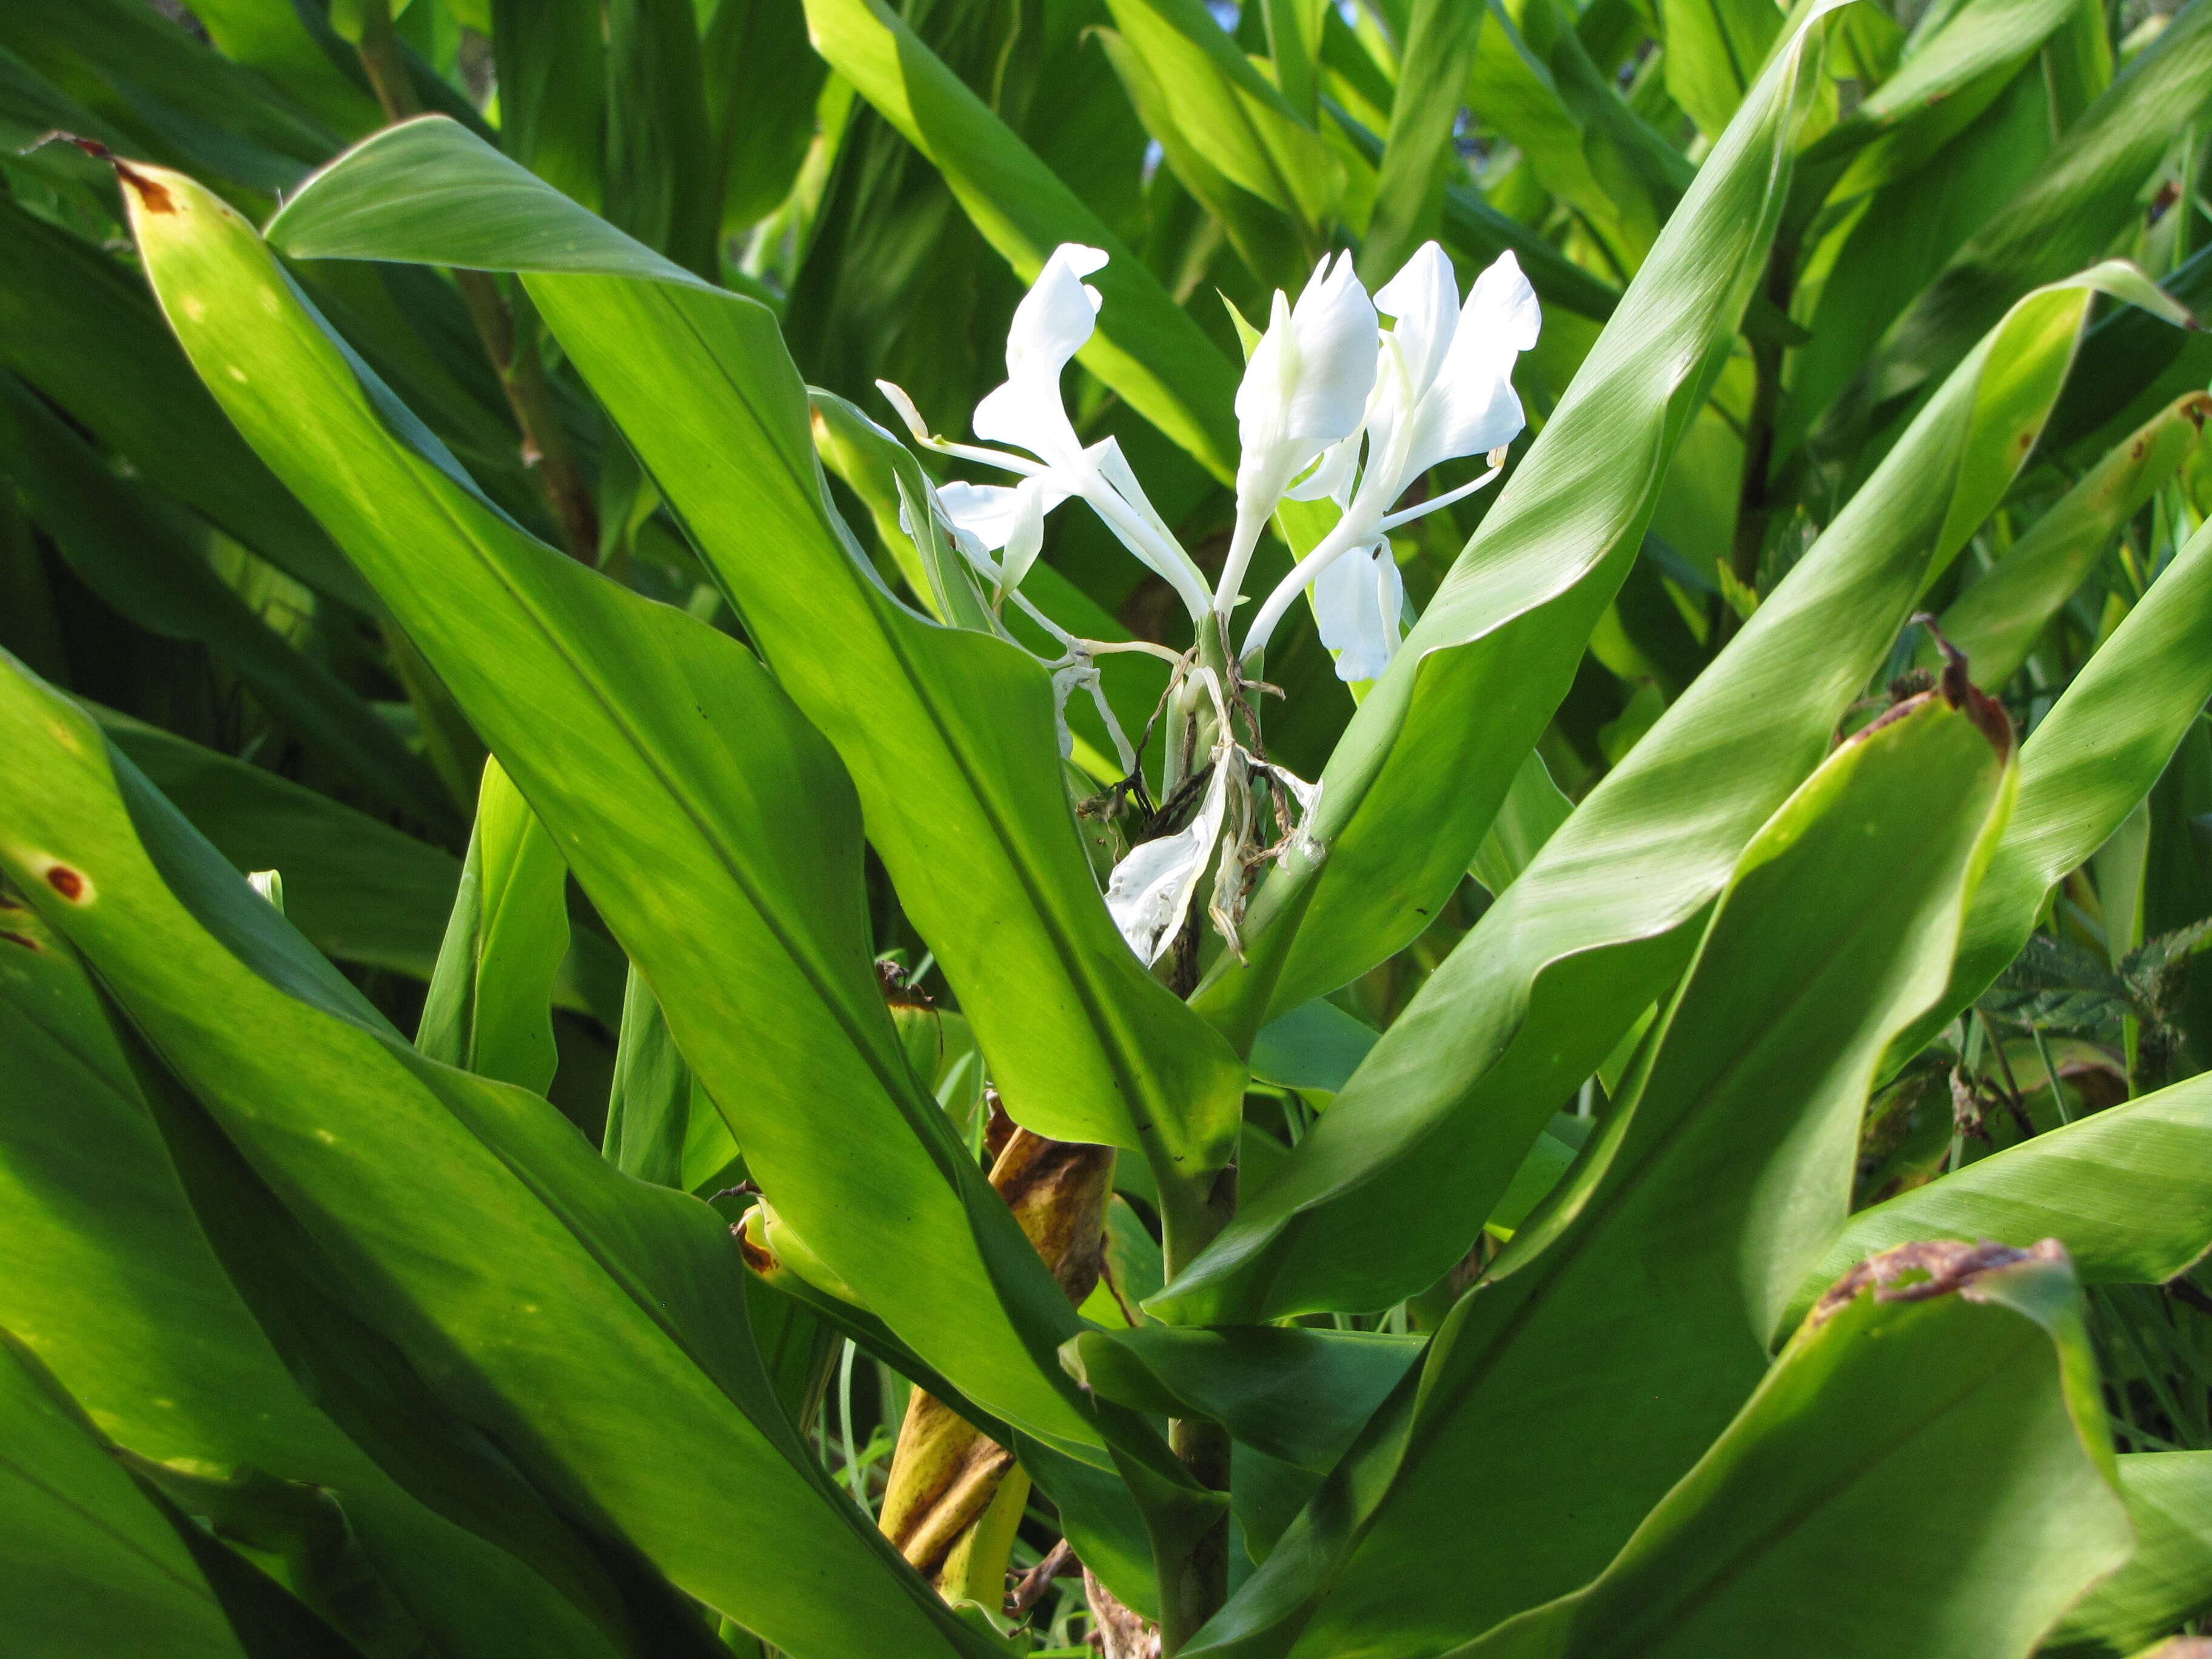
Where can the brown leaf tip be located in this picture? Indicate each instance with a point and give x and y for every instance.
(1928, 1268)
(153, 195)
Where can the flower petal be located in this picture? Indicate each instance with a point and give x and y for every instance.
(1150, 891)
(1423, 296)
(1054, 319)
(1333, 323)
(1357, 600)
(1473, 409)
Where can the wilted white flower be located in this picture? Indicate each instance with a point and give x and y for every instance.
(1050, 326)
(1443, 389)
(1150, 891)
(1304, 390)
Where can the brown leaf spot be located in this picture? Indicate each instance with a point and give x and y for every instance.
(69, 883)
(23, 940)
(1930, 1267)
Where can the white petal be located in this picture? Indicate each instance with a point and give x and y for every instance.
(1423, 297)
(1033, 499)
(1050, 326)
(1472, 409)
(1357, 600)
(972, 546)
(1150, 891)
(1154, 543)
(1337, 341)
(1332, 477)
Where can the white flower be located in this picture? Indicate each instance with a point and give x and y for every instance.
(1358, 602)
(1050, 326)
(1150, 891)
(1304, 390)
(1443, 388)
(987, 518)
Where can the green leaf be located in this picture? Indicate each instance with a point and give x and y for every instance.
(1834, 1515)
(74, 326)
(762, 79)
(109, 1277)
(2067, 216)
(1413, 788)
(1589, 935)
(1418, 156)
(2168, 1579)
(149, 562)
(1231, 114)
(1314, 1046)
(551, 62)
(650, 1108)
(663, 185)
(1534, 81)
(947, 733)
(593, 1325)
(724, 849)
(1713, 51)
(1299, 1396)
(1998, 620)
(2124, 1190)
(88, 1563)
(490, 1006)
(1146, 348)
(2094, 756)
(1660, 1268)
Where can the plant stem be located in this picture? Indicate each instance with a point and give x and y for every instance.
(513, 350)
(1192, 1211)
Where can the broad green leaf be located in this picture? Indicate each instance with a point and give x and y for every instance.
(1897, 234)
(2085, 767)
(1265, 236)
(490, 1005)
(1998, 620)
(723, 849)
(136, 68)
(662, 184)
(1660, 1268)
(593, 1325)
(2168, 1579)
(1413, 786)
(1231, 114)
(650, 1108)
(88, 1563)
(948, 733)
(106, 1274)
(73, 325)
(2124, 1190)
(1587, 936)
(1835, 1514)
(2066, 217)
(1592, 932)
(1713, 52)
(1299, 1396)
(288, 46)
(362, 890)
(1418, 155)
(1146, 348)
(551, 59)
(147, 560)
(762, 79)
(1533, 809)
(1534, 81)
(1315, 1046)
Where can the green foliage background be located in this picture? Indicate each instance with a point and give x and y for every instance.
(443, 466)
